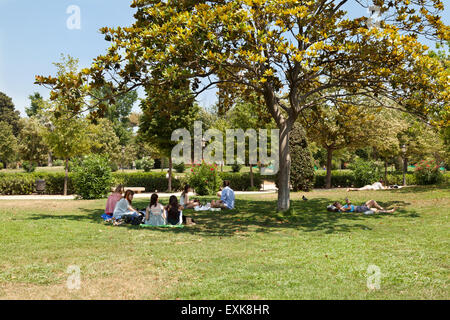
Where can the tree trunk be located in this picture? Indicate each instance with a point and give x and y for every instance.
(251, 176)
(405, 169)
(385, 172)
(66, 177)
(170, 174)
(329, 158)
(50, 159)
(284, 169)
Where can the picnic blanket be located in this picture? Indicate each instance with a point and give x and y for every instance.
(163, 226)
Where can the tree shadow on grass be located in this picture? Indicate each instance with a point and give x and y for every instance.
(256, 216)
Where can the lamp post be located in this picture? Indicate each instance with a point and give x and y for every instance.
(405, 164)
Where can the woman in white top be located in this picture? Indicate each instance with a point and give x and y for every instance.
(184, 199)
(155, 214)
(123, 207)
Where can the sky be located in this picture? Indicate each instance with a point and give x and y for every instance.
(34, 34)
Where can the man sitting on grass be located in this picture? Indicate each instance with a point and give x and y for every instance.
(370, 205)
(226, 198)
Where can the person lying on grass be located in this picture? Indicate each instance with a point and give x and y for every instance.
(371, 205)
(375, 186)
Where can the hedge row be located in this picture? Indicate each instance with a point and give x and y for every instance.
(345, 178)
(24, 183)
(241, 181)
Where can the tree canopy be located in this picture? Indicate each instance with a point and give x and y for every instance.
(291, 53)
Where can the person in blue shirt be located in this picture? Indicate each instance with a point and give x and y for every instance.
(226, 198)
(369, 205)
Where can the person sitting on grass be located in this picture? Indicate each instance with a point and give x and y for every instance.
(124, 206)
(174, 211)
(155, 214)
(113, 199)
(226, 198)
(371, 205)
(184, 199)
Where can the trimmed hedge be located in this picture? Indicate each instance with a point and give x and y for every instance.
(24, 183)
(17, 184)
(241, 181)
(345, 179)
(150, 180)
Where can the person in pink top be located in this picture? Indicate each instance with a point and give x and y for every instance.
(113, 199)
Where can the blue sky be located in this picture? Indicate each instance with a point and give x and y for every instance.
(34, 33)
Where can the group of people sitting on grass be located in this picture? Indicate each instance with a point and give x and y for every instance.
(120, 208)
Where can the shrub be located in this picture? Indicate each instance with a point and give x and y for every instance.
(180, 168)
(29, 166)
(58, 163)
(1, 165)
(113, 165)
(236, 167)
(147, 164)
(365, 172)
(204, 179)
(427, 172)
(92, 178)
(17, 184)
(302, 167)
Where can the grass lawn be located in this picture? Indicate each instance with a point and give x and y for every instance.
(252, 252)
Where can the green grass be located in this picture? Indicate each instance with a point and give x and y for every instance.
(252, 252)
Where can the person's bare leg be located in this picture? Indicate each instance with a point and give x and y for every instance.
(386, 211)
(373, 204)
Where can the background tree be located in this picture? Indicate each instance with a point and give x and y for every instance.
(248, 113)
(35, 102)
(106, 142)
(67, 132)
(289, 52)
(302, 170)
(8, 144)
(340, 126)
(32, 146)
(165, 110)
(119, 112)
(8, 113)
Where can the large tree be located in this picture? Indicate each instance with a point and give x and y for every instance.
(338, 126)
(68, 133)
(8, 144)
(165, 110)
(9, 114)
(289, 52)
(32, 146)
(36, 101)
